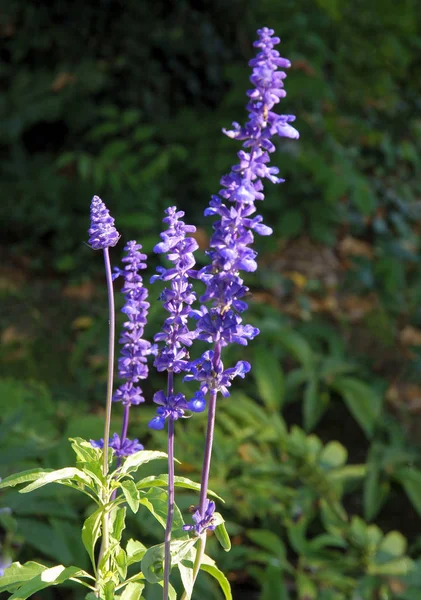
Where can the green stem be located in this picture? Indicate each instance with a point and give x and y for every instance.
(197, 561)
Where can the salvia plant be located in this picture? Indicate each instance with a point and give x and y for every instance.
(107, 470)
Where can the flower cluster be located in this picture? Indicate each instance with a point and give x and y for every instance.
(102, 233)
(122, 447)
(230, 250)
(173, 356)
(179, 297)
(205, 522)
(132, 364)
(173, 406)
(215, 377)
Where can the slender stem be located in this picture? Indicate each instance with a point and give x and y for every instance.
(125, 425)
(170, 514)
(123, 437)
(209, 438)
(111, 340)
(108, 406)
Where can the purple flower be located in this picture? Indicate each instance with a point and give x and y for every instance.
(203, 523)
(132, 364)
(178, 298)
(230, 251)
(102, 233)
(174, 407)
(121, 448)
(215, 377)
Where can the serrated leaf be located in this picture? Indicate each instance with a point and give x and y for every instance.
(68, 473)
(133, 462)
(91, 531)
(131, 494)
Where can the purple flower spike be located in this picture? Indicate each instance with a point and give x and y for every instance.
(174, 406)
(102, 233)
(121, 448)
(230, 251)
(178, 298)
(204, 523)
(132, 364)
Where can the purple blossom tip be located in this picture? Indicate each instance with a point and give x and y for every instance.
(122, 448)
(102, 233)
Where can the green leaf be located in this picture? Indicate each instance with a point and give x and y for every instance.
(43, 537)
(66, 474)
(47, 578)
(220, 578)
(91, 531)
(375, 491)
(121, 562)
(156, 501)
(410, 479)
(268, 540)
(269, 378)
(186, 574)
(84, 451)
(153, 561)
(135, 551)
(332, 456)
(131, 494)
(363, 402)
(132, 591)
(393, 545)
(23, 477)
(313, 406)
(117, 522)
(306, 587)
(183, 482)
(17, 574)
(400, 566)
(273, 584)
(299, 348)
(133, 462)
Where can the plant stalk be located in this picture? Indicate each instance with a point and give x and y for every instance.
(109, 399)
(170, 514)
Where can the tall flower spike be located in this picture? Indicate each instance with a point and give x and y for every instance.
(102, 233)
(179, 296)
(230, 251)
(132, 364)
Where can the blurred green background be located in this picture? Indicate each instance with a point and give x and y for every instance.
(127, 100)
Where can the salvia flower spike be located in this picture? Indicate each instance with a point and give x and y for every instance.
(102, 233)
(230, 251)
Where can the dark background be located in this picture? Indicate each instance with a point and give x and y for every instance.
(127, 100)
